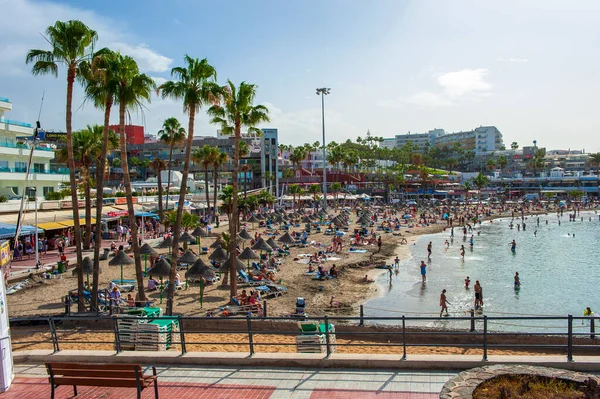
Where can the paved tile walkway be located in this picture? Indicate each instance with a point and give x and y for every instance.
(264, 383)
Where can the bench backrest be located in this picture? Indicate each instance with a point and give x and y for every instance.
(127, 374)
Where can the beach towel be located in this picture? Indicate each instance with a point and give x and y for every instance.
(359, 251)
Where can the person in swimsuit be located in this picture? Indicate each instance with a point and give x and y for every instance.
(478, 295)
(444, 303)
(513, 246)
(467, 282)
(462, 251)
(423, 267)
(429, 250)
(517, 281)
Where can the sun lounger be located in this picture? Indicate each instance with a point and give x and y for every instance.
(244, 278)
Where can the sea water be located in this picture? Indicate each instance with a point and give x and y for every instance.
(557, 261)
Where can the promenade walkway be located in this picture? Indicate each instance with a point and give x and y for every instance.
(200, 382)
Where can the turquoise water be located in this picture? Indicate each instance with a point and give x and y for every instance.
(559, 272)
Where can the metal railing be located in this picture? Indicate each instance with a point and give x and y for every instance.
(16, 123)
(351, 332)
(61, 171)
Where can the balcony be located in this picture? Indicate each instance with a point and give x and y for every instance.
(23, 150)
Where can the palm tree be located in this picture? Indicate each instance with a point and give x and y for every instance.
(297, 156)
(315, 189)
(133, 88)
(195, 85)
(491, 164)
(502, 162)
(594, 160)
(205, 156)
(87, 147)
(71, 44)
(98, 78)
(480, 181)
(220, 159)
(335, 189)
(514, 145)
(172, 134)
(159, 165)
(237, 111)
(295, 190)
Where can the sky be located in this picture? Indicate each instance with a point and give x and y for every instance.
(529, 67)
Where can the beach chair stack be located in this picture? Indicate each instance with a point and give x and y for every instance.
(155, 335)
(129, 325)
(313, 339)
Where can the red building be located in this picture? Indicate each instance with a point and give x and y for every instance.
(134, 134)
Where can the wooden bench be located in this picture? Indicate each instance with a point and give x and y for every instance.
(100, 375)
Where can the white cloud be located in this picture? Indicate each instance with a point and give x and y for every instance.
(147, 59)
(158, 80)
(513, 60)
(455, 87)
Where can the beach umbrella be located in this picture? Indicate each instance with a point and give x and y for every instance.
(121, 259)
(306, 220)
(286, 239)
(218, 255)
(198, 233)
(239, 265)
(161, 268)
(186, 238)
(262, 245)
(272, 243)
(167, 243)
(87, 267)
(218, 243)
(187, 258)
(260, 216)
(146, 250)
(248, 254)
(244, 235)
(202, 271)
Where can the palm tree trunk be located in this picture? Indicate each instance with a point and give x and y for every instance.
(88, 212)
(206, 189)
(161, 213)
(177, 227)
(215, 178)
(100, 166)
(130, 210)
(73, 183)
(169, 179)
(233, 221)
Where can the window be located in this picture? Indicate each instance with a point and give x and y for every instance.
(4, 166)
(20, 166)
(48, 190)
(39, 167)
(16, 190)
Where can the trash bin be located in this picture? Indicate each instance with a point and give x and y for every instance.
(61, 267)
(106, 252)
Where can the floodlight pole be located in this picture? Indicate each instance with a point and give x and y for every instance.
(323, 92)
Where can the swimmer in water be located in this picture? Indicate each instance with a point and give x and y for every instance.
(467, 282)
(535, 233)
(513, 246)
(517, 281)
(462, 251)
(472, 241)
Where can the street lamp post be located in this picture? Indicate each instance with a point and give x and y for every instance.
(323, 91)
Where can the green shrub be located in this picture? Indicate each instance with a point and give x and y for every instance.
(54, 196)
(120, 194)
(3, 199)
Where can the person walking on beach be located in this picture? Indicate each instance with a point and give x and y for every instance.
(444, 303)
(423, 267)
(478, 295)
(429, 250)
(517, 281)
(462, 251)
(379, 244)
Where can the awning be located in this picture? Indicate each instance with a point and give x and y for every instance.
(51, 226)
(71, 223)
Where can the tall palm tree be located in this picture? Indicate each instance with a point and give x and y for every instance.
(71, 44)
(99, 82)
(335, 188)
(196, 85)
(238, 110)
(205, 156)
(220, 159)
(134, 87)
(295, 190)
(297, 156)
(159, 165)
(315, 189)
(172, 134)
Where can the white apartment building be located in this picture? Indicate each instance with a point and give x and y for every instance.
(419, 139)
(388, 143)
(14, 156)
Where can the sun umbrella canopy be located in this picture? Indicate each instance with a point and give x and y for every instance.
(188, 258)
(120, 259)
(146, 249)
(306, 219)
(161, 269)
(87, 266)
(166, 243)
(187, 237)
(253, 219)
(272, 243)
(248, 253)
(218, 243)
(244, 235)
(200, 270)
(286, 239)
(199, 232)
(239, 265)
(261, 245)
(219, 255)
